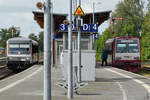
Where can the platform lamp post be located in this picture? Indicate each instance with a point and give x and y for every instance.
(12, 31)
(94, 20)
(47, 47)
(94, 10)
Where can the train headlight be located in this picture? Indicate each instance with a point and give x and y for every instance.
(27, 58)
(10, 58)
(118, 58)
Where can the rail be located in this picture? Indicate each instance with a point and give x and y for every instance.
(146, 68)
(2, 61)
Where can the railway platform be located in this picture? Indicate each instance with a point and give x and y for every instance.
(110, 84)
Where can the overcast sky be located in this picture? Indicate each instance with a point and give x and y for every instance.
(19, 12)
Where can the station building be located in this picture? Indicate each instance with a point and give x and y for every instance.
(60, 39)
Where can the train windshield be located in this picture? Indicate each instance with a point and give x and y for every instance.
(121, 48)
(19, 49)
(133, 48)
(127, 46)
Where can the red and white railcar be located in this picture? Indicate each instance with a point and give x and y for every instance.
(124, 53)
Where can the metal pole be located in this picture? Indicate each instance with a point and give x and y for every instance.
(52, 33)
(47, 50)
(93, 12)
(93, 23)
(80, 2)
(79, 47)
(79, 51)
(70, 67)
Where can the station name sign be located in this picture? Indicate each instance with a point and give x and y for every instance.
(83, 28)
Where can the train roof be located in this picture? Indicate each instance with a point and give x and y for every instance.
(21, 40)
(121, 37)
(126, 37)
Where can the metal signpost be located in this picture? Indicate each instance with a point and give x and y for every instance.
(79, 12)
(112, 24)
(47, 50)
(79, 49)
(76, 85)
(70, 67)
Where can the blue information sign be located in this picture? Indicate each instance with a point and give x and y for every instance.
(96, 36)
(83, 28)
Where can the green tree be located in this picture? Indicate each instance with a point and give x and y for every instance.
(100, 42)
(41, 41)
(5, 34)
(145, 40)
(33, 37)
(148, 5)
(132, 13)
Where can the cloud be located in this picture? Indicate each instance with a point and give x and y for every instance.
(19, 12)
(100, 5)
(61, 6)
(17, 5)
(23, 20)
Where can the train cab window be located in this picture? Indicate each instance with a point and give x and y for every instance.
(13, 48)
(19, 49)
(133, 48)
(24, 49)
(121, 48)
(127, 48)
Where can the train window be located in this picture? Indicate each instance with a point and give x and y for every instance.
(24, 46)
(24, 51)
(127, 48)
(19, 49)
(133, 48)
(121, 48)
(14, 46)
(13, 50)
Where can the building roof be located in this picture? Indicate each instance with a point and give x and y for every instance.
(100, 17)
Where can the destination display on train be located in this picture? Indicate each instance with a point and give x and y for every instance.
(83, 28)
(127, 41)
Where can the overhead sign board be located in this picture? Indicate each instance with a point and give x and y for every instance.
(83, 28)
(79, 12)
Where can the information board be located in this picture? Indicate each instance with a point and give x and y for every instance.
(83, 28)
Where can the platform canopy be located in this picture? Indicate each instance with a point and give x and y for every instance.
(100, 17)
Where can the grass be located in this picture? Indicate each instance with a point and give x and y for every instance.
(144, 72)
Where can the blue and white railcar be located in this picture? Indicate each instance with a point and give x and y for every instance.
(21, 53)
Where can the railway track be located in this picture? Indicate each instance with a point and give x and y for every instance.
(2, 61)
(5, 72)
(146, 68)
